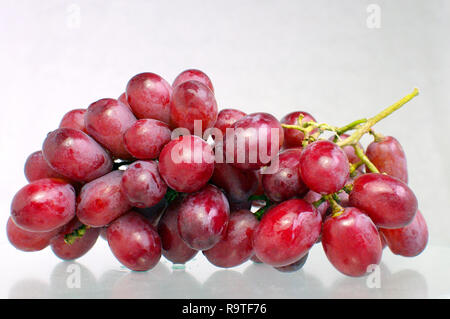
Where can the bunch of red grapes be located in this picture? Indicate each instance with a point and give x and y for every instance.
(117, 170)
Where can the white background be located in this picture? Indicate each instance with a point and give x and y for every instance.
(271, 56)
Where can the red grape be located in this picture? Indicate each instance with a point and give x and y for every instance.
(106, 121)
(142, 184)
(203, 218)
(236, 247)
(255, 140)
(36, 168)
(149, 96)
(226, 118)
(101, 201)
(146, 138)
(286, 182)
(312, 197)
(173, 247)
(28, 241)
(74, 119)
(79, 247)
(193, 75)
(286, 232)
(324, 167)
(154, 213)
(351, 242)
(75, 155)
(389, 202)
(349, 150)
(294, 266)
(44, 205)
(192, 101)
(388, 157)
(408, 241)
(238, 184)
(123, 98)
(186, 164)
(293, 137)
(134, 242)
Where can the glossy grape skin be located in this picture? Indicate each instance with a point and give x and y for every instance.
(142, 184)
(349, 150)
(351, 242)
(311, 197)
(408, 241)
(28, 241)
(193, 75)
(389, 202)
(134, 242)
(238, 184)
(293, 137)
(248, 137)
(76, 155)
(236, 246)
(191, 101)
(296, 266)
(388, 157)
(106, 121)
(324, 167)
(101, 201)
(226, 118)
(286, 232)
(74, 119)
(36, 167)
(79, 247)
(173, 247)
(146, 138)
(43, 205)
(203, 218)
(186, 164)
(286, 182)
(149, 97)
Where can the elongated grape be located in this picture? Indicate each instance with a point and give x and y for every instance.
(106, 121)
(43, 205)
(26, 240)
(101, 201)
(36, 167)
(74, 119)
(389, 202)
(75, 155)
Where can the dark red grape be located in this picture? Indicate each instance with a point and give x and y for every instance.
(296, 266)
(149, 96)
(236, 246)
(389, 202)
(36, 167)
(351, 242)
(154, 213)
(192, 101)
(193, 75)
(44, 205)
(173, 247)
(238, 184)
(254, 142)
(186, 164)
(142, 184)
(134, 242)
(408, 241)
(101, 201)
(203, 218)
(79, 247)
(293, 137)
(285, 182)
(286, 232)
(75, 155)
(146, 138)
(74, 119)
(106, 121)
(324, 167)
(226, 118)
(388, 157)
(28, 241)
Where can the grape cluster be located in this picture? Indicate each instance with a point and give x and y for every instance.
(160, 171)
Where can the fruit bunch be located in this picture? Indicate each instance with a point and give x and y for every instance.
(160, 171)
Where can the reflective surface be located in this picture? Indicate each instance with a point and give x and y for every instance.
(98, 275)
